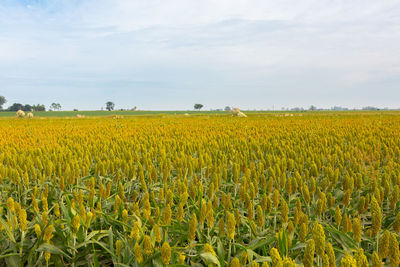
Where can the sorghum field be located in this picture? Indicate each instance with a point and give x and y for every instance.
(312, 190)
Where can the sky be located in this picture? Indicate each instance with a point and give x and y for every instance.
(169, 55)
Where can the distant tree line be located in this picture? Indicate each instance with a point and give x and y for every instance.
(19, 106)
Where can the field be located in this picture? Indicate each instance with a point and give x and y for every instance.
(314, 189)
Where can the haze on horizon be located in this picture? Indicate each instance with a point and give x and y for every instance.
(160, 55)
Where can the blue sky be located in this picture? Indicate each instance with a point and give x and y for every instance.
(157, 54)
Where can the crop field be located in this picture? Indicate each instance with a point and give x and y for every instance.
(266, 190)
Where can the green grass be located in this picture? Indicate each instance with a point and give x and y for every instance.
(103, 113)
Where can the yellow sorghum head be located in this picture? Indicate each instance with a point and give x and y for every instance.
(309, 254)
(89, 218)
(319, 239)
(288, 262)
(394, 253)
(125, 216)
(210, 215)
(48, 233)
(361, 259)
(157, 233)
(180, 214)
(230, 225)
(17, 207)
(303, 231)
(57, 210)
(118, 247)
(396, 224)
(325, 260)
(76, 223)
(331, 254)
(244, 257)
(348, 261)
(192, 227)
(260, 216)
(10, 204)
(166, 253)
(221, 227)
(44, 218)
(276, 198)
(47, 256)
(208, 248)
(235, 262)
(376, 216)
(181, 258)
(290, 227)
(357, 229)
(383, 246)
(135, 231)
(275, 257)
(338, 215)
(284, 211)
(376, 260)
(22, 219)
(137, 250)
(167, 214)
(147, 245)
(38, 231)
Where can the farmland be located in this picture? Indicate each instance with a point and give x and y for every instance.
(320, 189)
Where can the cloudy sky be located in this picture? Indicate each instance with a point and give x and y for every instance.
(157, 54)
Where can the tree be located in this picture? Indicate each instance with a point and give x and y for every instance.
(2, 101)
(198, 106)
(39, 107)
(110, 106)
(27, 107)
(227, 108)
(55, 106)
(312, 108)
(16, 107)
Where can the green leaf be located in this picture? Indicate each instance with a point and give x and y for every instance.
(210, 258)
(52, 249)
